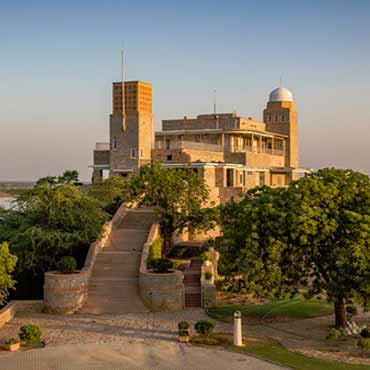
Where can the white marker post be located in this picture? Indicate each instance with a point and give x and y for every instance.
(238, 338)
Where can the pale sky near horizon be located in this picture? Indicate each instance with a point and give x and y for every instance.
(58, 62)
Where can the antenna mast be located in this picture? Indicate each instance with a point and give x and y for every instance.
(123, 89)
(214, 102)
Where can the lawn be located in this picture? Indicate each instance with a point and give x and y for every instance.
(274, 352)
(279, 355)
(296, 308)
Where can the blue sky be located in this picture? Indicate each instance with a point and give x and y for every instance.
(58, 60)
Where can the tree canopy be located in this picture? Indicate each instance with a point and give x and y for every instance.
(314, 234)
(7, 265)
(177, 194)
(112, 192)
(68, 177)
(50, 221)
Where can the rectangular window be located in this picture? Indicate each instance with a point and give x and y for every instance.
(115, 144)
(229, 177)
(244, 178)
(141, 153)
(168, 143)
(241, 177)
(132, 153)
(262, 178)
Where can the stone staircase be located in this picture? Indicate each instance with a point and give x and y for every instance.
(113, 286)
(193, 293)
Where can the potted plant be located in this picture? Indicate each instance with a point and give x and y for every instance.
(12, 344)
(184, 331)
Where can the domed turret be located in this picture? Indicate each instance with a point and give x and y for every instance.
(280, 94)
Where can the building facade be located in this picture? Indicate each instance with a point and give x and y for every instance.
(230, 152)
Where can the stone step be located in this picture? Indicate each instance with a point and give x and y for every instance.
(113, 286)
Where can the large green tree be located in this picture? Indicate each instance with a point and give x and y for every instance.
(314, 234)
(49, 222)
(111, 192)
(7, 265)
(178, 195)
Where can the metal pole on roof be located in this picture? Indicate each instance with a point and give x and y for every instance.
(123, 89)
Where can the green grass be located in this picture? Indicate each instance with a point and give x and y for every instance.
(297, 308)
(274, 352)
(279, 355)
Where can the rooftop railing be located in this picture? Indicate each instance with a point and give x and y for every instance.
(216, 147)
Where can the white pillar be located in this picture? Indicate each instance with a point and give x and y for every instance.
(238, 338)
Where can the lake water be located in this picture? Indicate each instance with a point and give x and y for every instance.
(6, 202)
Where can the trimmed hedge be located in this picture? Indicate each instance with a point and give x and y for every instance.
(155, 252)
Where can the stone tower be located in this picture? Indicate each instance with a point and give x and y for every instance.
(132, 138)
(281, 117)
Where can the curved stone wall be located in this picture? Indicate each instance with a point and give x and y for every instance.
(160, 292)
(66, 293)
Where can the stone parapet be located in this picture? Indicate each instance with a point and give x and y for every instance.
(160, 292)
(7, 313)
(66, 293)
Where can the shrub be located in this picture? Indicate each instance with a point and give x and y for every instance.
(364, 343)
(155, 251)
(208, 275)
(352, 310)
(162, 265)
(67, 265)
(334, 333)
(205, 327)
(183, 327)
(205, 256)
(12, 341)
(365, 333)
(30, 333)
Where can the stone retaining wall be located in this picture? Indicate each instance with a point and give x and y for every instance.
(208, 287)
(66, 293)
(7, 313)
(160, 292)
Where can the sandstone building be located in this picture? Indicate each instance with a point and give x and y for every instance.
(230, 152)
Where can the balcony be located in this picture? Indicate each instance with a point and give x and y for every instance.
(193, 145)
(102, 147)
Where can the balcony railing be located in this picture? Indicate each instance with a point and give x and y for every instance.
(217, 147)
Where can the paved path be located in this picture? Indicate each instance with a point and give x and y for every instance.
(113, 287)
(130, 355)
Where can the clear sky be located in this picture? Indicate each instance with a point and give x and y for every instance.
(58, 59)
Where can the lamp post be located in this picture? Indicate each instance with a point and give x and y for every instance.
(238, 338)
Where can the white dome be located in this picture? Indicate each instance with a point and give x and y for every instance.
(281, 94)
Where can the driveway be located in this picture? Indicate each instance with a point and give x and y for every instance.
(130, 355)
